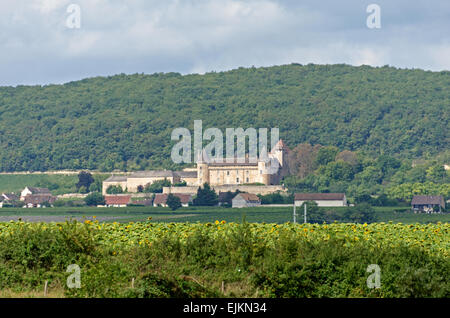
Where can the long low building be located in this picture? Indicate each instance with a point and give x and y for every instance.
(142, 178)
(322, 199)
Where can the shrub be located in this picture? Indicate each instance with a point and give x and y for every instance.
(113, 189)
(94, 199)
(173, 202)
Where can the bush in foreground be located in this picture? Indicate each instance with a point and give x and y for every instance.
(253, 260)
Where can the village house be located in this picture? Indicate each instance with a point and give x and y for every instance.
(246, 200)
(427, 203)
(322, 199)
(8, 198)
(36, 197)
(117, 201)
(161, 199)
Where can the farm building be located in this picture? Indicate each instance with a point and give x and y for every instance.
(322, 199)
(161, 199)
(36, 197)
(37, 201)
(7, 198)
(117, 201)
(242, 200)
(427, 203)
(34, 191)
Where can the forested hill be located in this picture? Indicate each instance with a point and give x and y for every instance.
(125, 121)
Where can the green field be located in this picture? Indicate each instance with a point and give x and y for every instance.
(56, 183)
(209, 214)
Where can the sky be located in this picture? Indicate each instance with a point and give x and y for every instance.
(41, 43)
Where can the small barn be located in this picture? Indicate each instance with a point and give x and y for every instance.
(243, 200)
(117, 201)
(161, 199)
(427, 203)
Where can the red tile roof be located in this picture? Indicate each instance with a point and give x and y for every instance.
(161, 198)
(117, 199)
(249, 197)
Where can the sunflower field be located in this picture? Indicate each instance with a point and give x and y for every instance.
(221, 259)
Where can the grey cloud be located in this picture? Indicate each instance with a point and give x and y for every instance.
(213, 35)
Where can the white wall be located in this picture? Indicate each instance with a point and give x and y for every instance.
(326, 203)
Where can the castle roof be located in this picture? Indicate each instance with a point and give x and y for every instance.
(116, 179)
(186, 174)
(152, 174)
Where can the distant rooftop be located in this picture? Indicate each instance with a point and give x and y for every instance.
(117, 178)
(152, 174)
(427, 199)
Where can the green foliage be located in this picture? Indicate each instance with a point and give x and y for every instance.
(157, 186)
(124, 122)
(113, 189)
(288, 265)
(173, 202)
(406, 191)
(85, 180)
(294, 268)
(276, 198)
(94, 199)
(56, 183)
(361, 213)
(180, 184)
(326, 155)
(206, 196)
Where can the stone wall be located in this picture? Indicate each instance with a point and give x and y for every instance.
(224, 188)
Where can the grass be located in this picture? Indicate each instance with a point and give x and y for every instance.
(210, 214)
(56, 183)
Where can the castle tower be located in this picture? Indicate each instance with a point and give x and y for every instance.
(280, 152)
(263, 172)
(202, 168)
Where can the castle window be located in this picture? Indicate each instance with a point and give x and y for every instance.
(247, 180)
(237, 180)
(228, 173)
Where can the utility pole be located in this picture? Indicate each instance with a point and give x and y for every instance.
(294, 213)
(305, 212)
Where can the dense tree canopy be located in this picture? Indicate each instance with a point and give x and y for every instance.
(125, 121)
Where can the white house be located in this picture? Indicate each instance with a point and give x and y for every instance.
(242, 200)
(34, 191)
(322, 199)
